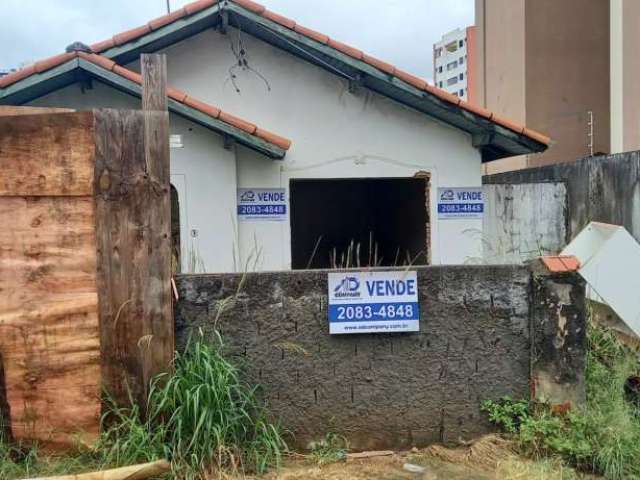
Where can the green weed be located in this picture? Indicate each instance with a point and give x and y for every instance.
(603, 436)
(332, 448)
(211, 418)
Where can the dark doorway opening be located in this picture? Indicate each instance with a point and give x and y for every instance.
(175, 231)
(352, 223)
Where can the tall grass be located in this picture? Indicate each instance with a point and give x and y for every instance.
(211, 418)
(203, 417)
(601, 437)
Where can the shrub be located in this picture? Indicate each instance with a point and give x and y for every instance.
(601, 437)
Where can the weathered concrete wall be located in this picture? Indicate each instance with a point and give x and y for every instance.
(558, 337)
(523, 221)
(382, 390)
(603, 188)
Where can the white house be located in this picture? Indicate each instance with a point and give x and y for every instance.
(352, 174)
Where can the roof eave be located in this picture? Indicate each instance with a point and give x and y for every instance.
(68, 73)
(505, 142)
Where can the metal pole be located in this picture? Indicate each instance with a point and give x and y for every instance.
(168, 6)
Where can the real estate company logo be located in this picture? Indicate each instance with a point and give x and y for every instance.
(349, 287)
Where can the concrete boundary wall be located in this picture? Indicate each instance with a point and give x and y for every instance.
(523, 221)
(479, 326)
(603, 188)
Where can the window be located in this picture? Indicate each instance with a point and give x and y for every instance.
(359, 222)
(461, 61)
(452, 47)
(461, 76)
(439, 52)
(440, 84)
(452, 65)
(462, 92)
(440, 69)
(452, 81)
(461, 43)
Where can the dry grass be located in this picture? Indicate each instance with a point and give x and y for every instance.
(490, 458)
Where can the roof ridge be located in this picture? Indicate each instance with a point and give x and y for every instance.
(259, 9)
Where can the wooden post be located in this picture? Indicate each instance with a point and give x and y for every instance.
(133, 225)
(158, 357)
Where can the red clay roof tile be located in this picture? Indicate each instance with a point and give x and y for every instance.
(253, 6)
(128, 74)
(561, 263)
(198, 5)
(417, 82)
(553, 264)
(99, 60)
(103, 45)
(129, 35)
(312, 34)
(284, 21)
(159, 22)
(379, 64)
(570, 262)
(470, 107)
(346, 49)
(48, 63)
(267, 136)
(537, 136)
(17, 76)
(177, 95)
(446, 96)
(506, 123)
(237, 122)
(201, 106)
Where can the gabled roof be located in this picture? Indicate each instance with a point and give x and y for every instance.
(55, 72)
(494, 135)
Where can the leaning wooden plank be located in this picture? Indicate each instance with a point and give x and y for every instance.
(371, 454)
(135, 472)
(46, 155)
(134, 256)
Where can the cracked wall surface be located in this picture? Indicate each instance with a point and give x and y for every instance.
(379, 390)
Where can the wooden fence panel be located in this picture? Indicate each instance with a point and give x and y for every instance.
(85, 266)
(47, 155)
(49, 335)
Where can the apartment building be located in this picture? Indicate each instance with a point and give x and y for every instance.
(453, 62)
(566, 68)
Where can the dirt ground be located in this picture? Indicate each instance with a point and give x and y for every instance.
(490, 458)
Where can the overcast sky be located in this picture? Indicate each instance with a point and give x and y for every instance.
(401, 32)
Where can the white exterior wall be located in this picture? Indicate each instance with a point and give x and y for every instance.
(335, 134)
(203, 172)
(448, 57)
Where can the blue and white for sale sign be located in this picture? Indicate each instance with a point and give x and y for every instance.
(373, 302)
(262, 204)
(460, 203)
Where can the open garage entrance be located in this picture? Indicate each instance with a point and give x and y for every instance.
(352, 223)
